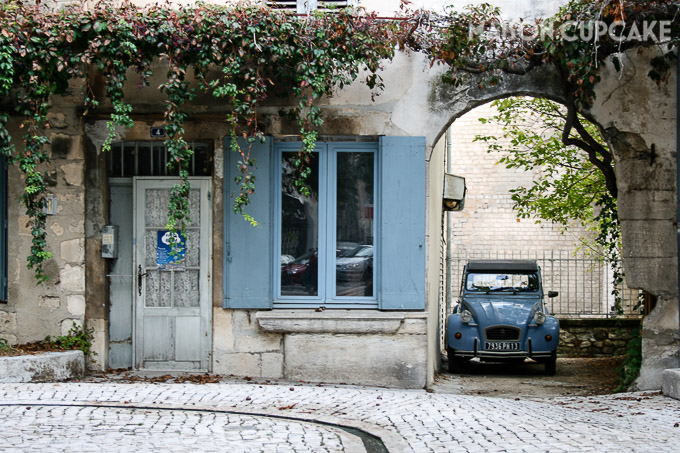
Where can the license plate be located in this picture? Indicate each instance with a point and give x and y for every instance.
(502, 346)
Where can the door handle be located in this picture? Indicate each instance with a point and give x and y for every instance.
(139, 279)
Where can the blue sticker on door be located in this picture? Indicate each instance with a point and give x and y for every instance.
(165, 258)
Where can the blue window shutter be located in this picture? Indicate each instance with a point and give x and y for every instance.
(3, 229)
(248, 251)
(402, 223)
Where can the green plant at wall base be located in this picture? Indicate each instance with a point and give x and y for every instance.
(630, 367)
(77, 338)
(5, 347)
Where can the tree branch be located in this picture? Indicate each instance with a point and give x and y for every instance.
(597, 154)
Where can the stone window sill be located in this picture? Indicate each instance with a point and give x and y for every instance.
(333, 321)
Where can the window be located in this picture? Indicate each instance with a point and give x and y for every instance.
(307, 6)
(357, 241)
(149, 158)
(326, 239)
(3, 229)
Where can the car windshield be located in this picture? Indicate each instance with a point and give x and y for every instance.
(304, 259)
(496, 281)
(362, 251)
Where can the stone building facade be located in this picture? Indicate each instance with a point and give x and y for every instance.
(243, 328)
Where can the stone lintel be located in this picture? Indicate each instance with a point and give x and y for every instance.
(333, 321)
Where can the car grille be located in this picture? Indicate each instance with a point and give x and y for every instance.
(503, 333)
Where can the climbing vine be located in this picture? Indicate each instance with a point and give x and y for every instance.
(256, 53)
(244, 54)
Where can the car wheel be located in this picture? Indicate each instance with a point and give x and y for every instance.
(456, 363)
(551, 364)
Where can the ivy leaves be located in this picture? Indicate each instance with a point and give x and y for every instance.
(260, 53)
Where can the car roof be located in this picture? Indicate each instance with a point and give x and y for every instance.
(502, 265)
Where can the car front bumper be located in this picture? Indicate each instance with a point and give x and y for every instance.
(478, 351)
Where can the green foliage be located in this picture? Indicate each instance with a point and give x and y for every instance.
(77, 338)
(567, 188)
(257, 51)
(5, 347)
(630, 367)
(495, 48)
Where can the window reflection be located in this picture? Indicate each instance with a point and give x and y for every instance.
(354, 220)
(299, 230)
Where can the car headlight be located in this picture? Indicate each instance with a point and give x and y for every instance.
(465, 316)
(539, 317)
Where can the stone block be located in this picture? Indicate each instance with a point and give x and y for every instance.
(72, 278)
(648, 205)
(413, 327)
(76, 305)
(657, 275)
(239, 364)
(385, 360)
(264, 342)
(47, 367)
(271, 365)
(648, 238)
(50, 303)
(659, 353)
(57, 229)
(671, 383)
(73, 174)
(8, 321)
(99, 344)
(223, 333)
(22, 225)
(67, 325)
(57, 120)
(73, 251)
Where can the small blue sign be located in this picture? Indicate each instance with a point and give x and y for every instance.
(165, 260)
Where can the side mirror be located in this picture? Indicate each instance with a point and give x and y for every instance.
(552, 294)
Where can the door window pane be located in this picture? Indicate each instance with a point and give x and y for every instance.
(354, 220)
(299, 230)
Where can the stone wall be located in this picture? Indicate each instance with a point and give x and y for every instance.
(595, 337)
(639, 118)
(35, 311)
(323, 346)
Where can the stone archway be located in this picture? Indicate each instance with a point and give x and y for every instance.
(639, 120)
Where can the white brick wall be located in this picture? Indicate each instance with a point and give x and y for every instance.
(488, 222)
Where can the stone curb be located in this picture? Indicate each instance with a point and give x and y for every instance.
(393, 442)
(45, 367)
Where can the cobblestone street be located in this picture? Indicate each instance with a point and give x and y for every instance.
(285, 418)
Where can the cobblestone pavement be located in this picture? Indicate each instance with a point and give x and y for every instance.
(284, 418)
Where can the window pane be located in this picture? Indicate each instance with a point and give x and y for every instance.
(299, 230)
(354, 233)
(144, 159)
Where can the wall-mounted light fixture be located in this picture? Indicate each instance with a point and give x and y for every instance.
(454, 192)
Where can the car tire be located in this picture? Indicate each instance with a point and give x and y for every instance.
(456, 363)
(551, 364)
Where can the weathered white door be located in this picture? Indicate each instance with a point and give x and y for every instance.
(172, 301)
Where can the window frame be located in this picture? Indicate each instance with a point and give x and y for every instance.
(3, 230)
(327, 225)
(309, 6)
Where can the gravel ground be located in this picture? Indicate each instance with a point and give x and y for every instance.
(574, 377)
